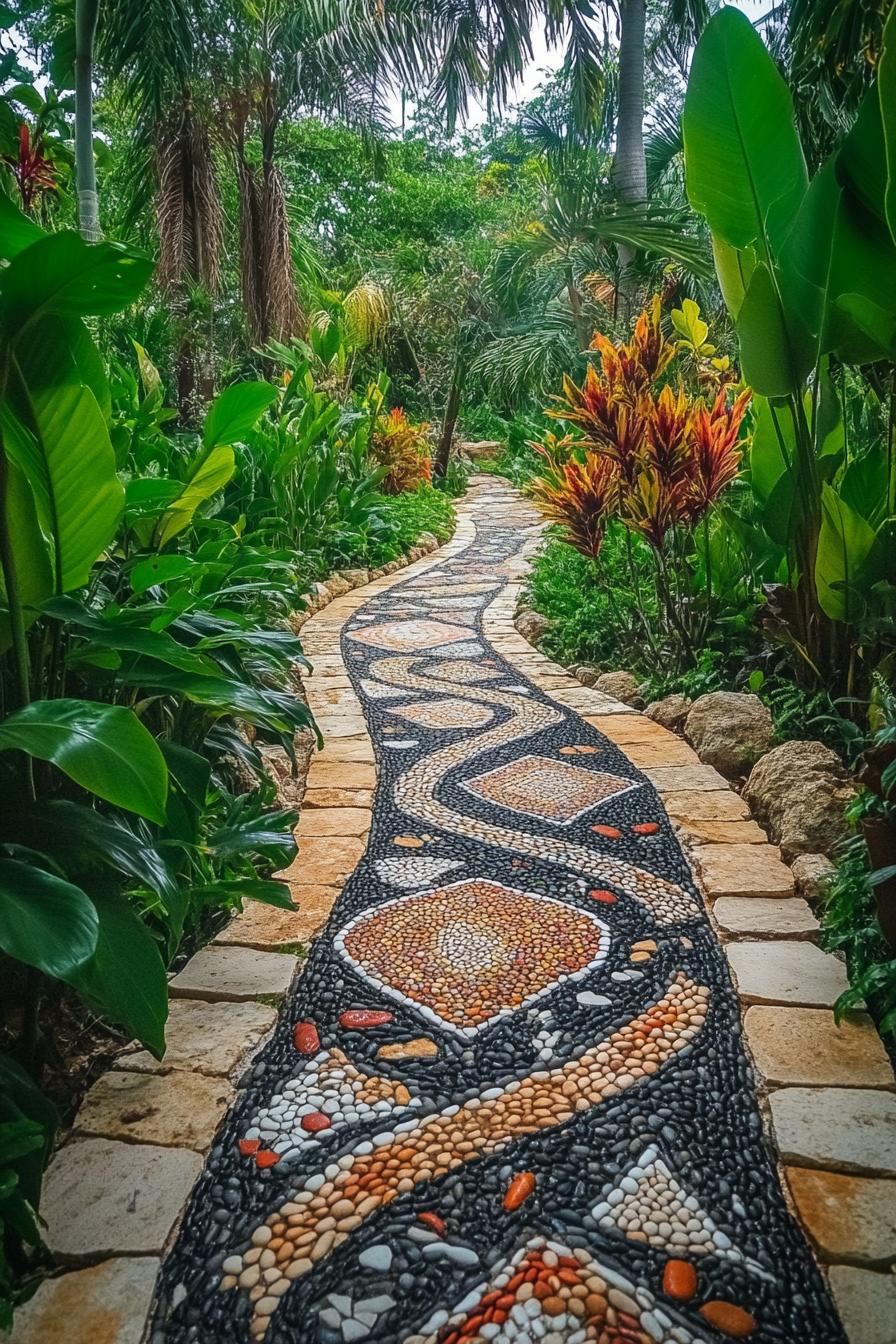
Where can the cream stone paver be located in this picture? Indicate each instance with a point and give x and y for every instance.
(785, 972)
(104, 1304)
(334, 797)
(765, 917)
(721, 832)
(233, 973)
(678, 778)
(851, 1219)
(866, 1304)
(269, 926)
(650, 755)
(334, 726)
(340, 775)
(742, 870)
(331, 698)
(175, 1110)
(345, 751)
(805, 1047)
(104, 1198)
(338, 821)
(210, 1038)
(324, 860)
(845, 1129)
(693, 805)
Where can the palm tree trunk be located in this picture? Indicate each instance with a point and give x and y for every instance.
(86, 12)
(629, 163)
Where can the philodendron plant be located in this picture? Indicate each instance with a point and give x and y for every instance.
(808, 272)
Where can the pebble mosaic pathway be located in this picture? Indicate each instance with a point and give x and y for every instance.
(508, 1099)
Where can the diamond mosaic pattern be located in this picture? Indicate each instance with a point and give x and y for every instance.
(467, 954)
(541, 787)
(405, 636)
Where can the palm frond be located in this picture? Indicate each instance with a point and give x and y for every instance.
(526, 364)
(663, 143)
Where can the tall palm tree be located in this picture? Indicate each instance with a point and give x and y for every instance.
(153, 47)
(331, 58)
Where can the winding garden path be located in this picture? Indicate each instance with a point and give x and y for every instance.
(509, 1095)
(508, 1098)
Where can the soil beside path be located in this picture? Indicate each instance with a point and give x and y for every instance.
(508, 1097)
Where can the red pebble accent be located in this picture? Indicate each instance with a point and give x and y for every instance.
(646, 828)
(611, 832)
(249, 1146)
(519, 1190)
(315, 1122)
(305, 1038)
(606, 897)
(434, 1221)
(679, 1280)
(358, 1018)
(266, 1158)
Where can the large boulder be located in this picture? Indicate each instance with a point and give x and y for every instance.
(729, 731)
(623, 686)
(799, 792)
(670, 712)
(532, 625)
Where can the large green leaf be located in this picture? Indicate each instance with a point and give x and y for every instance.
(104, 748)
(886, 90)
(846, 542)
(211, 473)
(17, 231)
(743, 161)
(235, 412)
(44, 921)
(838, 270)
(125, 978)
(34, 575)
(81, 838)
(771, 363)
(55, 430)
(863, 485)
(61, 273)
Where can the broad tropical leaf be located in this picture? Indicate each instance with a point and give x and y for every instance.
(235, 413)
(125, 978)
(44, 921)
(845, 545)
(104, 748)
(743, 161)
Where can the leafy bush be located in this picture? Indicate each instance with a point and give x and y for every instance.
(425, 509)
(402, 448)
(850, 925)
(646, 452)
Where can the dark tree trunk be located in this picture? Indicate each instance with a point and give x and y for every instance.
(449, 422)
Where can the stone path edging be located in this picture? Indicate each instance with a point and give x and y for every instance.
(827, 1092)
(116, 1189)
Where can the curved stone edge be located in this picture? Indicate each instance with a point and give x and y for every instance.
(115, 1191)
(826, 1091)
